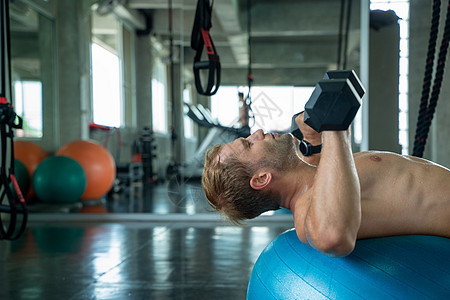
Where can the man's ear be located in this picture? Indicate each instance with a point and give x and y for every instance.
(260, 180)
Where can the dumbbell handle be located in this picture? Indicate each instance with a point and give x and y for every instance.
(305, 148)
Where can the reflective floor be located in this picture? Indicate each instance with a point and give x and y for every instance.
(172, 248)
(174, 196)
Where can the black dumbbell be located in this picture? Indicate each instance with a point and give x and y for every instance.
(334, 101)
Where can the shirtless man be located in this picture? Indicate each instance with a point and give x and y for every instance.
(336, 197)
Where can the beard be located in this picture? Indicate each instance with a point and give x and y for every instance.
(281, 154)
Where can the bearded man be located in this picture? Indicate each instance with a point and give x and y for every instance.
(335, 196)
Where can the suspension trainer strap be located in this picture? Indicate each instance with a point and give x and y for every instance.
(248, 98)
(11, 203)
(344, 17)
(16, 202)
(200, 38)
(347, 29)
(18, 198)
(427, 103)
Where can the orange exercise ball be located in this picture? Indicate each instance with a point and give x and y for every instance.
(97, 163)
(30, 155)
(93, 209)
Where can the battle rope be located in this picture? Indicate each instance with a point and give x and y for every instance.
(7, 123)
(427, 108)
(200, 37)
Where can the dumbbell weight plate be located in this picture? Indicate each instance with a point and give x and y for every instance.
(347, 74)
(332, 105)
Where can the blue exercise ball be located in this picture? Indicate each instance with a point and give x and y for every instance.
(59, 179)
(403, 267)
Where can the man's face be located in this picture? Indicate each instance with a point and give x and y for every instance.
(268, 150)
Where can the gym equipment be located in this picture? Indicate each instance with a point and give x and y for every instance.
(332, 106)
(200, 37)
(350, 75)
(400, 267)
(334, 101)
(93, 209)
(30, 154)
(343, 35)
(305, 147)
(249, 115)
(428, 103)
(11, 204)
(108, 132)
(97, 163)
(217, 134)
(59, 179)
(200, 115)
(22, 177)
(148, 156)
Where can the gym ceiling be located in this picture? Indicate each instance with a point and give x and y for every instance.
(293, 42)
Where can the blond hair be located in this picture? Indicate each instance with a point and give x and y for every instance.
(227, 188)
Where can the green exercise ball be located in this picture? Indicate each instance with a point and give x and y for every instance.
(22, 177)
(59, 179)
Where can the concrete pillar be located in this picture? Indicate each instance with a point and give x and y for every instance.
(363, 115)
(144, 65)
(438, 143)
(176, 115)
(73, 40)
(383, 89)
(47, 55)
(129, 77)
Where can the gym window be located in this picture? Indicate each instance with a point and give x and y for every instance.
(225, 105)
(159, 97)
(106, 93)
(188, 123)
(272, 106)
(28, 105)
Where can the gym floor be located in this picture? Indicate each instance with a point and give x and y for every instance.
(156, 242)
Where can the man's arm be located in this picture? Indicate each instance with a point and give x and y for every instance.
(334, 215)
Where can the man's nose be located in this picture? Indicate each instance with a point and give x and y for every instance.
(258, 134)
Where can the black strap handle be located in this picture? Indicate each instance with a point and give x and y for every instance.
(200, 39)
